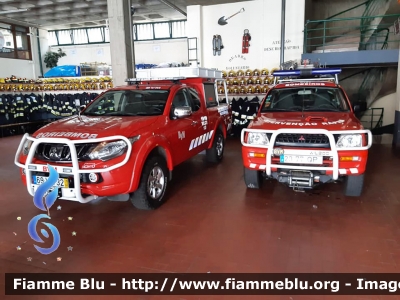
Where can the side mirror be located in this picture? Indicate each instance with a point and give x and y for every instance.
(182, 112)
(82, 107)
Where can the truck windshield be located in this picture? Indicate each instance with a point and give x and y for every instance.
(129, 103)
(305, 99)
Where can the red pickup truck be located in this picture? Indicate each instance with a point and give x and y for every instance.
(125, 143)
(306, 134)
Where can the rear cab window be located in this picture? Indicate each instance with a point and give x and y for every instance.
(210, 94)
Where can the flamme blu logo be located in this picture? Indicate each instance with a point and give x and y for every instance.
(43, 199)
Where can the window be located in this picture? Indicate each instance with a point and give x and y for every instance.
(14, 42)
(195, 99)
(210, 94)
(141, 32)
(306, 99)
(64, 37)
(129, 103)
(180, 100)
(80, 36)
(161, 30)
(95, 35)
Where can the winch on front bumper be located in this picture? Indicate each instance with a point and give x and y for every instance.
(316, 158)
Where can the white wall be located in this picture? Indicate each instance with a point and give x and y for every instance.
(17, 67)
(263, 20)
(146, 52)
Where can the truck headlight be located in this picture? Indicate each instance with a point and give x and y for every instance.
(26, 147)
(257, 138)
(109, 150)
(349, 141)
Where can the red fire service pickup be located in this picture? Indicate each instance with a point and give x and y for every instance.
(125, 143)
(306, 134)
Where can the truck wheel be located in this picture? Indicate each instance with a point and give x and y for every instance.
(252, 178)
(216, 152)
(152, 186)
(353, 185)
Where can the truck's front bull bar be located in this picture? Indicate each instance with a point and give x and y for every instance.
(330, 134)
(75, 170)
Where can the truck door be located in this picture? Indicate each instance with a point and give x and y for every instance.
(203, 127)
(181, 132)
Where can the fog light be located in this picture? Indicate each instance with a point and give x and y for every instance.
(262, 155)
(93, 177)
(349, 158)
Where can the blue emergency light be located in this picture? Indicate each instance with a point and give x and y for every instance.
(307, 72)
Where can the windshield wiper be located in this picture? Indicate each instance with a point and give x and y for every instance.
(323, 109)
(120, 113)
(90, 114)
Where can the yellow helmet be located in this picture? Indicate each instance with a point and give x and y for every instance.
(249, 72)
(243, 90)
(264, 72)
(265, 88)
(271, 80)
(221, 90)
(242, 81)
(257, 80)
(265, 80)
(229, 82)
(250, 90)
(223, 75)
(235, 90)
(230, 90)
(1, 87)
(235, 81)
(258, 89)
(231, 73)
(250, 81)
(256, 72)
(240, 73)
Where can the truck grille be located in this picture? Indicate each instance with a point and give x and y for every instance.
(60, 152)
(302, 140)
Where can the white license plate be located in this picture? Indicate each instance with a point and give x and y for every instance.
(61, 182)
(302, 159)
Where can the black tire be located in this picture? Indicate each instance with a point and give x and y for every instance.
(216, 152)
(353, 185)
(142, 197)
(252, 178)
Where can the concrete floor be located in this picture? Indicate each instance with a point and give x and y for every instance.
(212, 223)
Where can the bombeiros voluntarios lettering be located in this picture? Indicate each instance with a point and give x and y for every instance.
(67, 134)
(304, 123)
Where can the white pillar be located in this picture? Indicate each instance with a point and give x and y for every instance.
(396, 133)
(121, 40)
(194, 29)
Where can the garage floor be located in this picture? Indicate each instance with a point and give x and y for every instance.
(212, 223)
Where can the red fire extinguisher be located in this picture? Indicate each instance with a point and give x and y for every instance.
(246, 41)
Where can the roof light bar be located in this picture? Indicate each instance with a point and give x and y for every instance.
(307, 72)
(151, 79)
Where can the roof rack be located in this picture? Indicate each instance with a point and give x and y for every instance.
(185, 72)
(131, 81)
(308, 74)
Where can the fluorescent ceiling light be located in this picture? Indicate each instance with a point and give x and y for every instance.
(12, 11)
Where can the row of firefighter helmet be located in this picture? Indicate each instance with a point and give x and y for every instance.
(244, 89)
(247, 73)
(248, 81)
(55, 87)
(14, 79)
